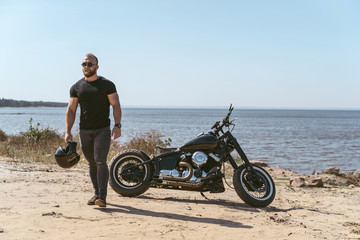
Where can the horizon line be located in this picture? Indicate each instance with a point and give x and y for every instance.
(218, 106)
(240, 107)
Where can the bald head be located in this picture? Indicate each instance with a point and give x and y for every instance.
(92, 57)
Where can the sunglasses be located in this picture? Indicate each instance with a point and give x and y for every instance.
(89, 64)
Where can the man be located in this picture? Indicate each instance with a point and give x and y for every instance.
(95, 94)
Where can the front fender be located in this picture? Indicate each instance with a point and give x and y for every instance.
(239, 166)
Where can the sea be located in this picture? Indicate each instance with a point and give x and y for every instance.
(305, 141)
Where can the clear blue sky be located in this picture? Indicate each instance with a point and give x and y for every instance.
(271, 54)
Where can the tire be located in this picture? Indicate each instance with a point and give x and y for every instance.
(255, 193)
(133, 182)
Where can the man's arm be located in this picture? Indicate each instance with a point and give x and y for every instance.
(70, 117)
(115, 103)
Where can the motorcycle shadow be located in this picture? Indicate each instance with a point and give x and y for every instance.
(116, 208)
(221, 202)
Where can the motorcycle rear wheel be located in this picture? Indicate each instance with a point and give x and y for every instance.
(255, 191)
(127, 180)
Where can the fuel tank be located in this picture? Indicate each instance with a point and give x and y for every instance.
(205, 141)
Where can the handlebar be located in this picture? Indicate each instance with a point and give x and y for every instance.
(229, 113)
(225, 122)
(215, 125)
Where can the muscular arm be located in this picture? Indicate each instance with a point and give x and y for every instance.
(115, 103)
(70, 117)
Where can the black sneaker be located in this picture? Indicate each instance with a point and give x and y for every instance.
(100, 202)
(92, 200)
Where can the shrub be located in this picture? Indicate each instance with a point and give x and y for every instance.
(147, 142)
(3, 136)
(34, 134)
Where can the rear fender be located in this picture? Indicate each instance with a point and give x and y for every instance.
(145, 154)
(150, 160)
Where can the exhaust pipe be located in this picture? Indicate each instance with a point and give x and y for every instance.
(191, 184)
(182, 184)
(181, 179)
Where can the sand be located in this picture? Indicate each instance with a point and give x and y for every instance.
(47, 202)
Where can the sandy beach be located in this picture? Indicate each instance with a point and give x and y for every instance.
(47, 202)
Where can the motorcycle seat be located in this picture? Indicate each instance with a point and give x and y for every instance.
(165, 149)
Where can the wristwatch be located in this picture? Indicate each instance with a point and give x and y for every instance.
(118, 125)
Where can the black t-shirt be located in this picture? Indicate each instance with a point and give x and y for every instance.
(94, 103)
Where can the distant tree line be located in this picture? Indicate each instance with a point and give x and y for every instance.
(20, 103)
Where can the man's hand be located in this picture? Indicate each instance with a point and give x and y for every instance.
(68, 137)
(116, 132)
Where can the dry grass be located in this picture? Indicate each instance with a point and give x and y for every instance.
(39, 145)
(34, 145)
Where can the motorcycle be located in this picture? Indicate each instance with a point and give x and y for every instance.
(198, 165)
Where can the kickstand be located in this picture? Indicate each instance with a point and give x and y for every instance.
(202, 194)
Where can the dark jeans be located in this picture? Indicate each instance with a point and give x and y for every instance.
(95, 145)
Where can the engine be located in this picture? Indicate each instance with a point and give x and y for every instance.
(192, 167)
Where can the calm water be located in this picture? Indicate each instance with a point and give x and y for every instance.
(301, 140)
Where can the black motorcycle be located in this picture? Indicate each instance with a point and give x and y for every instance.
(198, 165)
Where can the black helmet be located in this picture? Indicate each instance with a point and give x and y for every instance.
(66, 158)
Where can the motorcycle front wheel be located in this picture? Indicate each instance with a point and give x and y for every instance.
(257, 191)
(127, 177)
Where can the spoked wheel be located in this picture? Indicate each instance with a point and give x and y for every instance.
(256, 190)
(128, 176)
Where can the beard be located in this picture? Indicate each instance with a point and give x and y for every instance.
(89, 72)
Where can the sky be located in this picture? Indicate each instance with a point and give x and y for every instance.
(189, 53)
